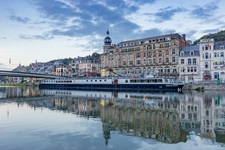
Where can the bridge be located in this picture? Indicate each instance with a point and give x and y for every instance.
(27, 74)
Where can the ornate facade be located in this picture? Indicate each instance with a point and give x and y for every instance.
(138, 57)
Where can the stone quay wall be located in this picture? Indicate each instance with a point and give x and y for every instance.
(205, 86)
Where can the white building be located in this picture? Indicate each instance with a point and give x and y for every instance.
(189, 64)
(212, 65)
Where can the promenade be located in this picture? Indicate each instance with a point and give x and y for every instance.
(205, 86)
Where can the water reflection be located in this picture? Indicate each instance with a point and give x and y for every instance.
(166, 117)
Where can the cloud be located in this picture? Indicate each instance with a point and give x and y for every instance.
(3, 38)
(205, 12)
(19, 19)
(36, 37)
(167, 13)
(210, 31)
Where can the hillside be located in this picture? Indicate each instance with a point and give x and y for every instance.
(219, 36)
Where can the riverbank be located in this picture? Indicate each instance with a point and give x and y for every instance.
(20, 84)
(201, 87)
(13, 84)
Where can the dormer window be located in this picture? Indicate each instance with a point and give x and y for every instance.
(192, 53)
(221, 47)
(181, 53)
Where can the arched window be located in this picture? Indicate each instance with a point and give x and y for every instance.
(221, 54)
(206, 55)
(206, 65)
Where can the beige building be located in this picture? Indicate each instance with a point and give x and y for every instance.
(61, 71)
(138, 57)
(85, 66)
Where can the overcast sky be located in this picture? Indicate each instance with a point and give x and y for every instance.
(43, 30)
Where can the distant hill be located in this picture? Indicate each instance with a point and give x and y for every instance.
(219, 36)
(64, 60)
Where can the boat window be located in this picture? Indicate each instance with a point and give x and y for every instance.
(100, 80)
(138, 81)
(95, 80)
(143, 81)
(126, 81)
(91, 80)
(160, 80)
(86, 80)
(152, 80)
(131, 81)
(105, 80)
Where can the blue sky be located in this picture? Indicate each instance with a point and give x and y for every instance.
(43, 30)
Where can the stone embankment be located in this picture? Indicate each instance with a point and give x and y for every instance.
(211, 87)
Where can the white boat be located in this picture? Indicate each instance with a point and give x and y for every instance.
(149, 83)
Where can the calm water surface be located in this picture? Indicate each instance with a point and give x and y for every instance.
(71, 120)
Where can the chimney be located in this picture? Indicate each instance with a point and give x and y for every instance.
(183, 37)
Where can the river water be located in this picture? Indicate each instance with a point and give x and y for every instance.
(71, 120)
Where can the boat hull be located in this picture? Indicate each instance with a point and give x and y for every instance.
(144, 87)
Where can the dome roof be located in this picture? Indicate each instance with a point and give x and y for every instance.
(107, 41)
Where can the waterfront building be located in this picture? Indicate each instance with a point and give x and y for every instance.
(212, 64)
(140, 56)
(85, 66)
(61, 70)
(189, 64)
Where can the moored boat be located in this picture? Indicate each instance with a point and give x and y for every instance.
(151, 83)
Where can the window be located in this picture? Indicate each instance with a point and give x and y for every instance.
(131, 56)
(160, 60)
(206, 65)
(149, 47)
(194, 61)
(192, 53)
(195, 69)
(130, 63)
(167, 52)
(221, 54)
(206, 55)
(182, 61)
(137, 55)
(173, 59)
(215, 54)
(160, 53)
(173, 51)
(167, 60)
(189, 61)
(181, 53)
(144, 62)
(153, 61)
(138, 62)
(124, 63)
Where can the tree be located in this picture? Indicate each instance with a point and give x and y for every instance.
(219, 36)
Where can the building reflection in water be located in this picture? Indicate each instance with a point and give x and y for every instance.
(166, 117)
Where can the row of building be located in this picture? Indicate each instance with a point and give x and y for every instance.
(167, 56)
